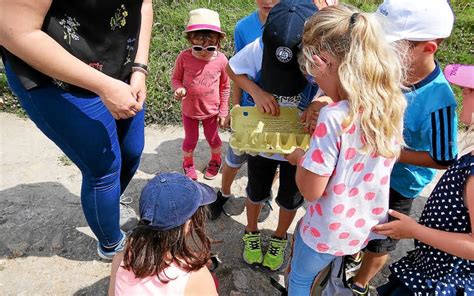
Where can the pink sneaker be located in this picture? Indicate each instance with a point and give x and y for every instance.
(190, 171)
(212, 169)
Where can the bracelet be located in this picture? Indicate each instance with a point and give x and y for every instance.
(138, 65)
(139, 69)
(142, 68)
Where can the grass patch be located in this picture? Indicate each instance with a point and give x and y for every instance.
(168, 40)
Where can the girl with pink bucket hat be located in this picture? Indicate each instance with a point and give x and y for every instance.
(200, 82)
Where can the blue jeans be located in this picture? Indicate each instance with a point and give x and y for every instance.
(107, 151)
(306, 264)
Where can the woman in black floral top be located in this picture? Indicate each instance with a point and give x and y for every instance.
(443, 260)
(78, 69)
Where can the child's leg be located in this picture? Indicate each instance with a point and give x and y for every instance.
(306, 264)
(232, 165)
(211, 132)
(191, 135)
(289, 200)
(260, 173)
(253, 210)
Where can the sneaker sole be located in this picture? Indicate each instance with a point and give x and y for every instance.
(210, 178)
(268, 267)
(252, 264)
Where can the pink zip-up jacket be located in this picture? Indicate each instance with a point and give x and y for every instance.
(206, 82)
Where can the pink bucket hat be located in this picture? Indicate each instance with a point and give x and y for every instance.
(462, 75)
(204, 19)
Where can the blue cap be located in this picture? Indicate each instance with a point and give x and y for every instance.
(282, 35)
(170, 199)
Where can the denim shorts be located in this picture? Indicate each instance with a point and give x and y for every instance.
(233, 160)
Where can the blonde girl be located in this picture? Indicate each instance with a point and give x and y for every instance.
(345, 175)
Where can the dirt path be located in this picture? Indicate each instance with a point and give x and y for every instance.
(45, 244)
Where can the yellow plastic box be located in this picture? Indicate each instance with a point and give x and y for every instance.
(254, 132)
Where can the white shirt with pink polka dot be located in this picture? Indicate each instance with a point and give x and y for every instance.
(356, 197)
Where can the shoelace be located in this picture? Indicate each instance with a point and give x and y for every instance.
(276, 247)
(253, 242)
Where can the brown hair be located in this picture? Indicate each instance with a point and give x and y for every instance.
(205, 36)
(149, 251)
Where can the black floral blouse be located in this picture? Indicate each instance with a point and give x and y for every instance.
(427, 270)
(102, 33)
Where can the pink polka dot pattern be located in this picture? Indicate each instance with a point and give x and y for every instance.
(354, 242)
(338, 209)
(356, 195)
(314, 232)
(319, 210)
(358, 167)
(369, 195)
(350, 153)
(350, 212)
(334, 226)
(322, 247)
(377, 211)
(344, 235)
(317, 156)
(339, 188)
(359, 223)
(353, 192)
(368, 177)
(321, 130)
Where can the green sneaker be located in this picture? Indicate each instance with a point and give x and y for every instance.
(276, 253)
(252, 248)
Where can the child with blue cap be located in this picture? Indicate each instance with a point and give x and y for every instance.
(273, 59)
(167, 253)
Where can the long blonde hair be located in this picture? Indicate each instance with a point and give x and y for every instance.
(369, 70)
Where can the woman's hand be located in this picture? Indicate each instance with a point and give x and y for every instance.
(403, 227)
(120, 99)
(294, 157)
(138, 84)
(180, 93)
